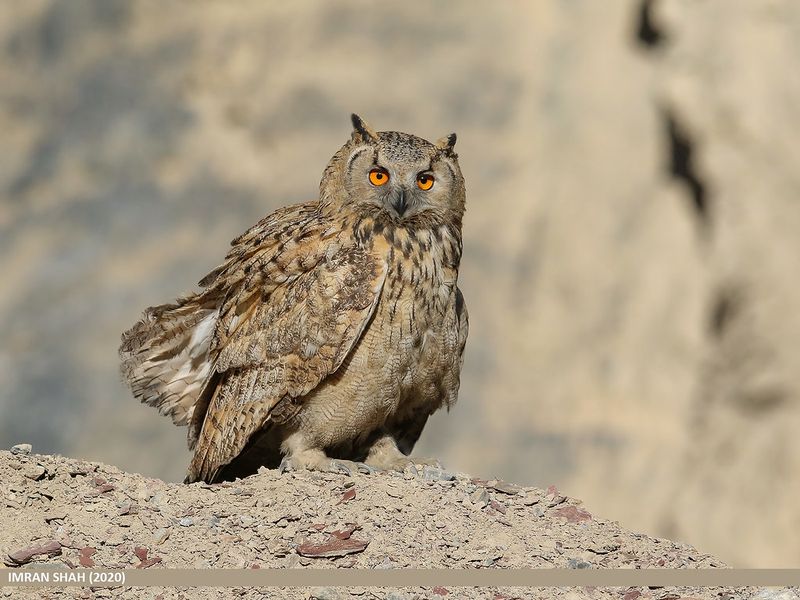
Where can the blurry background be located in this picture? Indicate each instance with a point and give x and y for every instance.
(632, 264)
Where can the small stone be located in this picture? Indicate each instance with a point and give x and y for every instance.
(574, 563)
(85, 557)
(149, 562)
(186, 522)
(21, 449)
(214, 521)
(607, 548)
(247, 521)
(386, 563)
(55, 515)
(115, 539)
(572, 514)
(124, 521)
(344, 534)
(350, 494)
(326, 593)
(436, 474)
(332, 547)
(479, 497)
(507, 488)
(293, 561)
(50, 548)
(160, 535)
(278, 547)
(394, 492)
(125, 508)
(34, 472)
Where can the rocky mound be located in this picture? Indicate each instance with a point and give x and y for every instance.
(59, 511)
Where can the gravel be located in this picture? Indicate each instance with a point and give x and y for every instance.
(79, 513)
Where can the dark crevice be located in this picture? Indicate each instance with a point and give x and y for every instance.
(681, 166)
(648, 33)
(724, 310)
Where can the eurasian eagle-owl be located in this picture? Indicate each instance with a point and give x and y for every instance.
(333, 329)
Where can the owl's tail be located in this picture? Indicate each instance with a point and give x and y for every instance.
(165, 356)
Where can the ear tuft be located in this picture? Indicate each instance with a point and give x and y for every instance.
(447, 143)
(361, 130)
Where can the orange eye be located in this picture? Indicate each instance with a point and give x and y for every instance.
(378, 177)
(425, 181)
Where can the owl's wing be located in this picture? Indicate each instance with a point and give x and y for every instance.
(167, 357)
(462, 327)
(298, 296)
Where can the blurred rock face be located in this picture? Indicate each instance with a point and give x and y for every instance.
(631, 236)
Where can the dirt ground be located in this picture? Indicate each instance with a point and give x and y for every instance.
(93, 515)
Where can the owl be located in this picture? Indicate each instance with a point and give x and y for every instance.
(332, 330)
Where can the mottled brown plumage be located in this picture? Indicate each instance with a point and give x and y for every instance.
(332, 330)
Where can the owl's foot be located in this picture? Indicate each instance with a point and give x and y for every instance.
(348, 467)
(403, 464)
(316, 460)
(393, 464)
(384, 455)
(310, 460)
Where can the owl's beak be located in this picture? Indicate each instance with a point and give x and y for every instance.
(399, 203)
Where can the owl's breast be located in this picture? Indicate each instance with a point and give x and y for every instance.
(407, 358)
(413, 331)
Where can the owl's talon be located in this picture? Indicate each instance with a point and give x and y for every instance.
(343, 466)
(348, 467)
(366, 469)
(286, 465)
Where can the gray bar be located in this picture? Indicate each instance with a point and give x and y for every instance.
(425, 577)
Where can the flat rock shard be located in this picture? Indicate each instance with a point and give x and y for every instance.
(332, 548)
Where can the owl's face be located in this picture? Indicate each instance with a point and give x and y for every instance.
(401, 177)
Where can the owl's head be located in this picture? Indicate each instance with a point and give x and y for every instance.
(397, 177)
